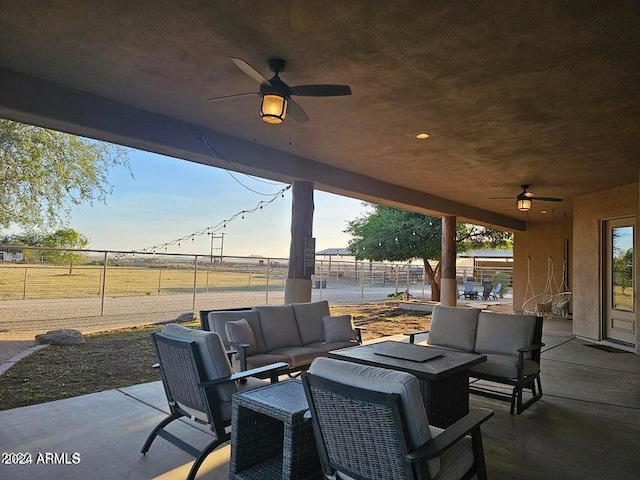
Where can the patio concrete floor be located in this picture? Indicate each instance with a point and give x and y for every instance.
(587, 426)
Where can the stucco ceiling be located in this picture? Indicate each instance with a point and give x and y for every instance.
(540, 93)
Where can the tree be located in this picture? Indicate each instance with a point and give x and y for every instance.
(43, 173)
(62, 239)
(390, 234)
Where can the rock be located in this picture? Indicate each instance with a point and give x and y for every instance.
(61, 337)
(185, 317)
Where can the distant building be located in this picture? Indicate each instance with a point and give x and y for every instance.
(11, 255)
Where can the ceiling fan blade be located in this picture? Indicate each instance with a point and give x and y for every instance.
(297, 113)
(321, 90)
(249, 70)
(547, 199)
(228, 97)
(501, 198)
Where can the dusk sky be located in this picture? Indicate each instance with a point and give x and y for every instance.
(171, 198)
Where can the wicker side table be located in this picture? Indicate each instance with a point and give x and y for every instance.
(269, 437)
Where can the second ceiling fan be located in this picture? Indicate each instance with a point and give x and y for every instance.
(276, 94)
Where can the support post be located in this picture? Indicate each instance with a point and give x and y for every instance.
(298, 284)
(448, 283)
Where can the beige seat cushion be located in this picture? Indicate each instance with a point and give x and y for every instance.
(327, 347)
(212, 353)
(299, 356)
(279, 327)
(505, 366)
(504, 334)
(338, 328)
(309, 320)
(453, 327)
(387, 381)
(218, 319)
(240, 331)
(262, 359)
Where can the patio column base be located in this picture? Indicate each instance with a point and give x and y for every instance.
(448, 292)
(297, 290)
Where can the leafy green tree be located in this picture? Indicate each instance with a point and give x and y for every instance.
(43, 173)
(390, 234)
(623, 269)
(66, 238)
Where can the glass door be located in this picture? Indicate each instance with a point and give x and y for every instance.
(620, 316)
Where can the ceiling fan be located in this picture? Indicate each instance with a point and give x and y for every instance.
(276, 94)
(524, 200)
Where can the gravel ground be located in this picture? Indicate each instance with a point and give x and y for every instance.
(21, 320)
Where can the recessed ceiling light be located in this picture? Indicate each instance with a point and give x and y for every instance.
(422, 136)
(543, 212)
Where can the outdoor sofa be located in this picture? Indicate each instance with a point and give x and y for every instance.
(296, 333)
(511, 343)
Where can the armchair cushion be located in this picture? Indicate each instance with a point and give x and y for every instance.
(381, 380)
(504, 334)
(454, 462)
(338, 329)
(217, 321)
(454, 327)
(212, 353)
(505, 366)
(279, 327)
(309, 319)
(240, 332)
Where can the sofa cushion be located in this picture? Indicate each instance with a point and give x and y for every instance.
(454, 327)
(279, 327)
(216, 321)
(262, 359)
(504, 334)
(504, 366)
(240, 332)
(299, 356)
(338, 329)
(212, 353)
(309, 320)
(327, 347)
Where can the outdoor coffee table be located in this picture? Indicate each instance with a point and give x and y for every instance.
(444, 380)
(270, 438)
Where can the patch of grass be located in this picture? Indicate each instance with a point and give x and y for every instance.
(124, 357)
(105, 361)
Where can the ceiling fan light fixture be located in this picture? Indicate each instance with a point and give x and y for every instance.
(273, 108)
(524, 203)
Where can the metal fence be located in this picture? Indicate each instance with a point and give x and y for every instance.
(98, 290)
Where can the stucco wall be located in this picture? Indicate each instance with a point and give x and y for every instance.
(542, 240)
(589, 212)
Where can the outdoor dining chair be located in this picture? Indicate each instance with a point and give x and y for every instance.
(370, 424)
(199, 382)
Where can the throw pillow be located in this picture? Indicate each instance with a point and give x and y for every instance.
(240, 331)
(338, 329)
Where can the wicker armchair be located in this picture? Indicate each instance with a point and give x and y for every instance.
(370, 424)
(199, 383)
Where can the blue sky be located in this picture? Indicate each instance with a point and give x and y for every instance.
(170, 198)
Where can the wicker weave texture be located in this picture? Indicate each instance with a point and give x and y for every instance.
(360, 437)
(447, 400)
(180, 375)
(270, 438)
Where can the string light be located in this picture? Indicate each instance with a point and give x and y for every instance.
(210, 230)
